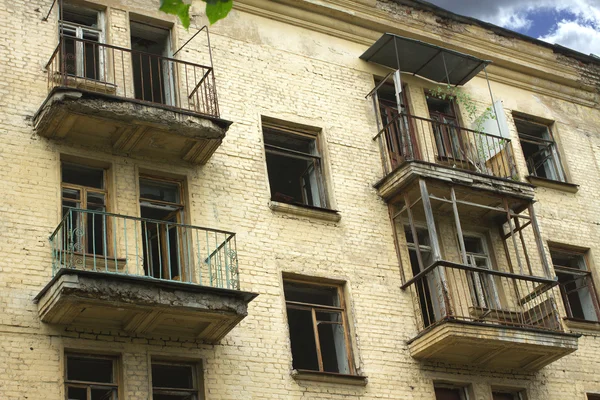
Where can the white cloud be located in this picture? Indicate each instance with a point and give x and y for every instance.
(576, 35)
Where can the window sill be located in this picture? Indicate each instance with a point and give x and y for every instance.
(306, 211)
(328, 377)
(552, 184)
(582, 324)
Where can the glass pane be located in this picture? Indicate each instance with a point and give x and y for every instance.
(89, 369)
(83, 176)
(306, 293)
(76, 393)
(163, 191)
(333, 348)
(80, 15)
(69, 193)
(474, 245)
(302, 337)
(290, 141)
(104, 394)
(172, 376)
(95, 201)
(327, 316)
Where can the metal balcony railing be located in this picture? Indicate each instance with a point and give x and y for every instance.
(133, 75)
(407, 138)
(103, 242)
(447, 291)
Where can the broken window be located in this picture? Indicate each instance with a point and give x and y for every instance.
(84, 188)
(576, 284)
(446, 129)
(82, 30)
(91, 378)
(444, 392)
(508, 395)
(294, 166)
(539, 149)
(164, 238)
(152, 71)
(318, 327)
(483, 289)
(173, 381)
(428, 311)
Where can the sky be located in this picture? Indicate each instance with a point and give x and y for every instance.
(570, 23)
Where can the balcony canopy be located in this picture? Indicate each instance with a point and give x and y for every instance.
(419, 58)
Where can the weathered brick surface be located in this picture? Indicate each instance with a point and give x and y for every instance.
(275, 69)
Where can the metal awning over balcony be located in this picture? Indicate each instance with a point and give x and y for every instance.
(427, 60)
(143, 277)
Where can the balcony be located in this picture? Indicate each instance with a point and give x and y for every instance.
(126, 102)
(143, 277)
(468, 315)
(480, 279)
(413, 147)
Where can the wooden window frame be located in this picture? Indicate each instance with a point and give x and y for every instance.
(317, 158)
(573, 271)
(89, 385)
(196, 378)
(314, 308)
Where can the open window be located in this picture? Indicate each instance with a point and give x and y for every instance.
(294, 165)
(539, 150)
(175, 381)
(576, 283)
(83, 31)
(153, 72)
(318, 327)
(90, 377)
(165, 241)
(446, 128)
(84, 188)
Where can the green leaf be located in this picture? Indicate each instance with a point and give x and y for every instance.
(178, 8)
(216, 10)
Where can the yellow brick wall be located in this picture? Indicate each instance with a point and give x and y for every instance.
(264, 67)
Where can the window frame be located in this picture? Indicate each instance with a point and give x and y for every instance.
(314, 308)
(550, 143)
(587, 274)
(116, 386)
(517, 394)
(196, 379)
(309, 134)
(463, 389)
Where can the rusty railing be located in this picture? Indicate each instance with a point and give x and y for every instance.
(408, 137)
(447, 291)
(133, 75)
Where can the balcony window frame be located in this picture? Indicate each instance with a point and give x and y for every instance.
(195, 393)
(313, 136)
(553, 164)
(585, 274)
(116, 375)
(315, 308)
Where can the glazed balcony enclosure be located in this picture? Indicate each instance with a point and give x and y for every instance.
(128, 101)
(144, 277)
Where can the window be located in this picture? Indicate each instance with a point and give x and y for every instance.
(172, 381)
(576, 284)
(91, 378)
(591, 396)
(482, 286)
(318, 327)
(82, 31)
(85, 188)
(539, 149)
(164, 238)
(294, 166)
(508, 395)
(443, 114)
(447, 392)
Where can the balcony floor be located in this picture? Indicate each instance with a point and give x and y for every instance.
(491, 347)
(140, 305)
(127, 126)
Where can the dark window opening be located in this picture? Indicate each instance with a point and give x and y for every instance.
(85, 188)
(163, 238)
(446, 128)
(539, 150)
(576, 284)
(82, 34)
(507, 395)
(91, 378)
(317, 323)
(174, 381)
(294, 168)
(423, 290)
(449, 393)
(152, 73)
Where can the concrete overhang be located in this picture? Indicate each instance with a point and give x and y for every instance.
(142, 306)
(126, 126)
